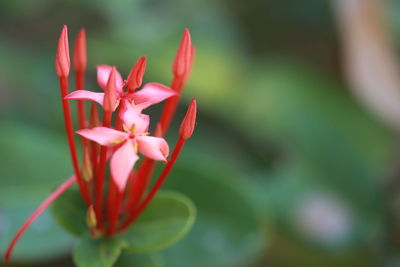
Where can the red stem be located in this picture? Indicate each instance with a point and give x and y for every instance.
(93, 146)
(80, 85)
(71, 141)
(171, 105)
(157, 185)
(112, 191)
(139, 184)
(50, 199)
(118, 123)
(114, 207)
(101, 173)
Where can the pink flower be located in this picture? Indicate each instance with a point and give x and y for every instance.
(151, 93)
(120, 138)
(134, 138)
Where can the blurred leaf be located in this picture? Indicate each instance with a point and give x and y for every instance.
(31, 157)
(70, 212)
(218, 64)
(167, 219)
(228, 231)
(90, 252)
(33, 163)
(312, 118)
(298, 188)
(44, 240)
(140, 260)
(318, 225)
(333, 148)
(302, 255)
(392, 9)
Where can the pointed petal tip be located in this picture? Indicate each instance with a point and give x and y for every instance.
(152, 93)
(188, 123)
(155, 148)
(86, 95)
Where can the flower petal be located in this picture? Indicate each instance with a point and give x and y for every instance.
(122, 163)
(152, 93)
(131, 115)
(103, 72)
(153, 147)
(86, 95)
(103, 135)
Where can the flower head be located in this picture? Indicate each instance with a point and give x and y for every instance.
(127, 143)
(120, 140)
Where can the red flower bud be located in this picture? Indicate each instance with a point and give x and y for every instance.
(110, 95)
(135, 77)
(80, 57)
(188, 123)
(62, 55)
(183, 60)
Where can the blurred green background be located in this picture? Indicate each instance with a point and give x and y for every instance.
(286, 166)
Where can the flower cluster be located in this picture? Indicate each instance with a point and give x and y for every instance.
(118, 138)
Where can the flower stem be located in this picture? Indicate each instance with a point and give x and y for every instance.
(50, 199)
(71, 140)
(113, 207)
(80, 85)
(139, 184)
(171, 105)
(100, 177)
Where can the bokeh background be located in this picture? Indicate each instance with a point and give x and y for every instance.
(294, 161)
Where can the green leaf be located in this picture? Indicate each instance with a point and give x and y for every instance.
(140, 260)
(70, 211)
(167, 219)
(33, 161)
(90, 252)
